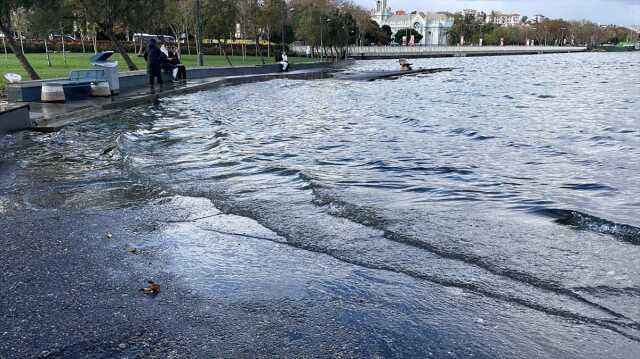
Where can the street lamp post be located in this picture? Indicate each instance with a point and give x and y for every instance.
(199, 32)
(321, 42)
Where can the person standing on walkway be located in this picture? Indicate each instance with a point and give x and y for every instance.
(154, 58)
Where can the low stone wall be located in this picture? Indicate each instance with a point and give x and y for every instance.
(138, 79)
(14, 118)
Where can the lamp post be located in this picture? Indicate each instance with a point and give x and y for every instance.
(199, 32)
(285, 16)
(321, 40)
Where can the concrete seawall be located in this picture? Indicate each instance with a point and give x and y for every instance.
(394, 52)
(49, 117)
(138, 79)
(134, 80)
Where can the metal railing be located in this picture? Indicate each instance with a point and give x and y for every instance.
(383, 51)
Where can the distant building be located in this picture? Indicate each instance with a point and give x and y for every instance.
(470, 12)
(434, 27)
(475, 14)
(501, 19)
(539, 18)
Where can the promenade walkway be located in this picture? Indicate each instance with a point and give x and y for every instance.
(52, 116)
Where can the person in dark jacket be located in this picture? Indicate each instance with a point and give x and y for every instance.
(155, 58)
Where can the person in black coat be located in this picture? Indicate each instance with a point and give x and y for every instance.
(155, 58)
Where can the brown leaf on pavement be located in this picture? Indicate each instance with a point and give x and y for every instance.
(153, 288)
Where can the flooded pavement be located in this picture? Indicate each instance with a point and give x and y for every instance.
(487, 212)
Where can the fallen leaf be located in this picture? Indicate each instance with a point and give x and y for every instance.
(153, 288)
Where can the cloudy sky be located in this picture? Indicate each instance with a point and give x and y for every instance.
(623, 12)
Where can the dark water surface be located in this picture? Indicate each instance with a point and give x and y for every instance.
(493, 210)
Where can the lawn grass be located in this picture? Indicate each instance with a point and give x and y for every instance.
(76, 61)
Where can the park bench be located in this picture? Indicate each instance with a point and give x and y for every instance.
(99, 81)
(65, 90)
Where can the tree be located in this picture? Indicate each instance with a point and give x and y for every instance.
(41, 24)
(388, 34)
(125, 13)
(220, 21)
(469, 26)
(249, 17)
(178, 16)
(311, 22)
(408, 33)
(374, 34)
(7, 8)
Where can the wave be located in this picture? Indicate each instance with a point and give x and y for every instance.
(624, 232)
(545, 298)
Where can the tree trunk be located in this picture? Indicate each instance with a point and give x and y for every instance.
(224, 52)
(64, 53)
(258, 49)
(21, 42)
(120, 48)
(176, 34)
(186, 32)
(46, 49)
(4, 44)
(95, 39)
(8, 34)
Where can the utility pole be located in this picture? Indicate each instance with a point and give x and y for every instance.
(199, 32)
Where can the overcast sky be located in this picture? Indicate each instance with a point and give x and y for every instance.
(622, 12)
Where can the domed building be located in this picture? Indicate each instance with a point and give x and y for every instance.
(433, 26)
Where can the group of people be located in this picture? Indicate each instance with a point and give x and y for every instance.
(168, 59)
(163, 58)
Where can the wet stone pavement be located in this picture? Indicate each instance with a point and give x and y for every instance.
(229, 288)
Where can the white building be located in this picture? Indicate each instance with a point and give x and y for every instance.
(434, 27)
(539, 18)
(501, 19)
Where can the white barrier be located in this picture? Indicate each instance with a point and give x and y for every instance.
(417, 51)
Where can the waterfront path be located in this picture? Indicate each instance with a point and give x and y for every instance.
(52, 116)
